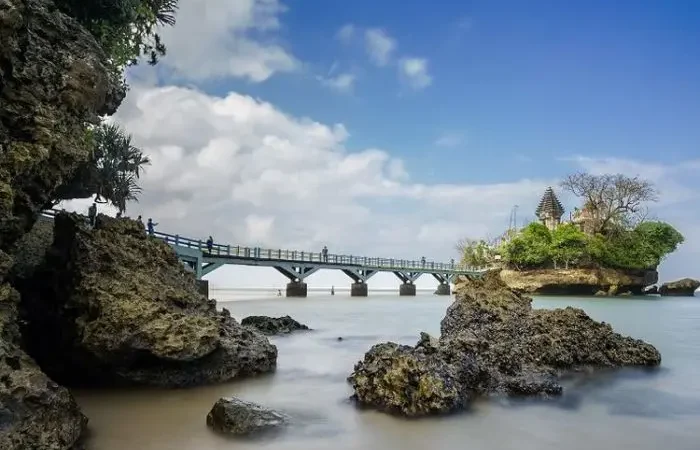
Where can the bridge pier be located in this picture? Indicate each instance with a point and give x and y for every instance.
(359, 289)
(360, 276)
(296, 289)
(443, 289)
(407, 289)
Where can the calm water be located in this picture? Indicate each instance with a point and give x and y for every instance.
(628, 410)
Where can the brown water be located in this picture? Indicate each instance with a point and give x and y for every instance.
(625, 410)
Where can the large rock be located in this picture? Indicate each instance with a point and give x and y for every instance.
(492, 342)
(111, 305)
(273, 325)
(579, 281)
(234, 416)
(52, 81)
(680, 288)
(35, 412)
(410, 381)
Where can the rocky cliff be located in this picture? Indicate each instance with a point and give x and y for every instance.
(52, 81)
(111, 305)
(579, 281)
(492, 342)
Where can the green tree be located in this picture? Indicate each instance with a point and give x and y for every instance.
(126, 29)
(475, 253)
(112, 172)
(569, 245)
(657, 240)
(530, 248)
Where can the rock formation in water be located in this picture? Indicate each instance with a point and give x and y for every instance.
(273, 325)
(685, 287)
(579, 281)
(492, 342)
(111, 305)
(52, 81)
(234, 416)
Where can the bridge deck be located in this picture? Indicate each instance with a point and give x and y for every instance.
(257, 256)
(228, 254)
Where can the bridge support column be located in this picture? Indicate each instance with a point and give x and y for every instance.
(359, 289)
(203, 287)
(407, 289)
(296, 289)
(443, 289)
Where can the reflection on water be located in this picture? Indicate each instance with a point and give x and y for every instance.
(643, 410)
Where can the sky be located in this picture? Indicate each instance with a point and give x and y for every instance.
(397, 128)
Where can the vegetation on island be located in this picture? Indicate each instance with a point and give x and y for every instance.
(127, 30)
(611, 230)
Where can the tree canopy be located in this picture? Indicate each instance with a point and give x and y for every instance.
(475, 253)
(112, 171)
(126, 29)
(612, 201)
(642, 247)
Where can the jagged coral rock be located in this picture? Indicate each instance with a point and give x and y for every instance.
(273, 325)
(492, 342)
(685, 287)
(52, 81)
(117, 306)
(35, 412)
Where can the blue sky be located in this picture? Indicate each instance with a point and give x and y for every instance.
(396, 128)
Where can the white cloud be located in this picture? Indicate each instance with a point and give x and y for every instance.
(450, 140)
(414, 72)
(223, 38)
(380, 46)
(346, 33)
(343, 82)
(246, 173)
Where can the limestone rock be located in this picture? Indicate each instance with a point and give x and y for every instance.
(681, 288)
(112, 305)
(411, 381)
(578, 281)
(492, 342)
(35, 412)
(273, 325)
(52, 80)
(237, 417)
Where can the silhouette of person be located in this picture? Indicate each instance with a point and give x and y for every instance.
(92, 214)
(210, 244)
(151, 226)
(422, 261)
(324, 252)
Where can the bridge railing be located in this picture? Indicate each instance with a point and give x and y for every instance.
(311, 257)
(302, 256)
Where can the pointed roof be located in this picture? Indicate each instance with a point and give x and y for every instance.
(549, 205)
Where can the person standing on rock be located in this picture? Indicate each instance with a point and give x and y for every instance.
(151, 226)
(140, 221)
(92, 214)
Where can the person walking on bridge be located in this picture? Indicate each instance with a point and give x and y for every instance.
(92, 214)
(422, 261)
(210, 244)
(324, 253)
(151, 226)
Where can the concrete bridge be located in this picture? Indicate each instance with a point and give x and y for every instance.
(298, 265)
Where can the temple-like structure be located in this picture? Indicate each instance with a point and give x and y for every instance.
(550, 210)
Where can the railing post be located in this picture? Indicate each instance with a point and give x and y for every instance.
(279, 253)
(177, 239)
(228, 250)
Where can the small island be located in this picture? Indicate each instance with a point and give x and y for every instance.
(608, 246)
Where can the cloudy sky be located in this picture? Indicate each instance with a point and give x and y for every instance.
(395, 128)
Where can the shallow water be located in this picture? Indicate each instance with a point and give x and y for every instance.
(627, 409)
